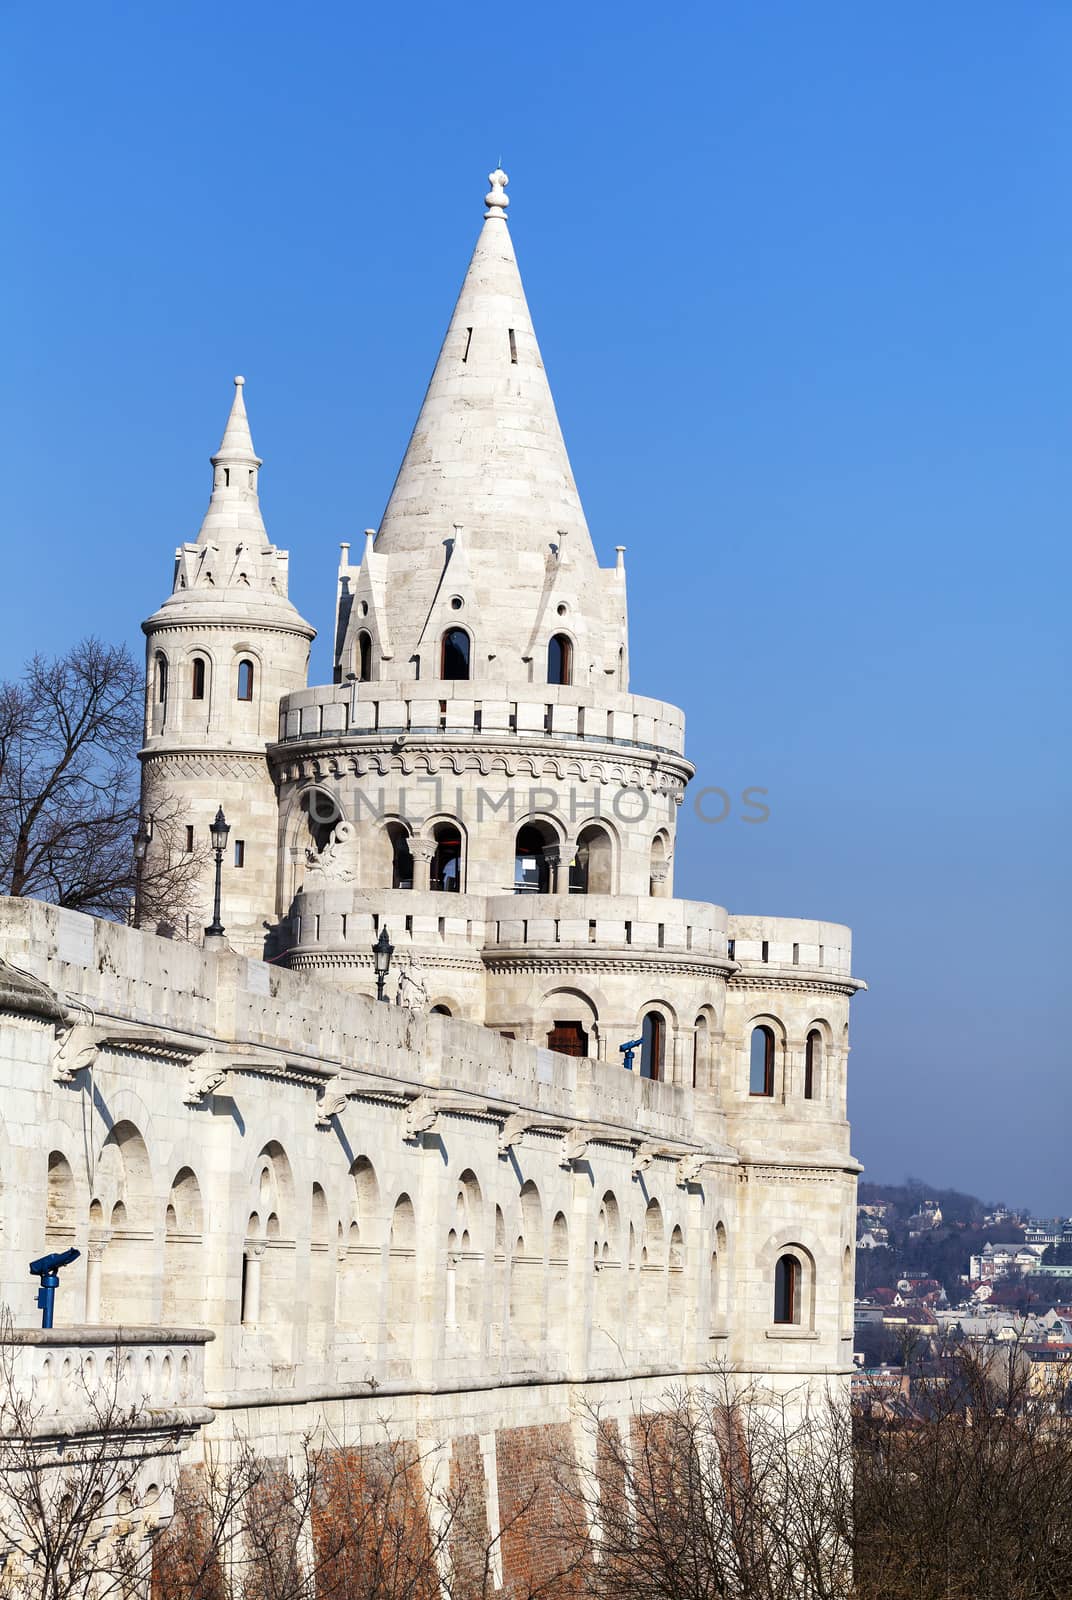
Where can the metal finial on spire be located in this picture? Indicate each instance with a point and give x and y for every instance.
(497, 200)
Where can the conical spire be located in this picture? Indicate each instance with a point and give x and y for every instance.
(237, 442)
(234, 510)
(487, 452)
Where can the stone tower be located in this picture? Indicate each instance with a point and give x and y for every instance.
(221, 651)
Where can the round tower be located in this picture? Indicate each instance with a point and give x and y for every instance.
(221, 651)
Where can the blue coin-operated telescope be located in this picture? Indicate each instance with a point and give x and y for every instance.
(47, 1268)
(628, 1052)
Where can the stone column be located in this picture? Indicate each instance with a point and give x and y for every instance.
(552, 854)
(251, 1298)
(660, 880)
(94, 1265)
(422, 851)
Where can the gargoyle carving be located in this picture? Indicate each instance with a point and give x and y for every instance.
(513, 1131)
(643, 1157)
(689, 1169)
(421, 1117)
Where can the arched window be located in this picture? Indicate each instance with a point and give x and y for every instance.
(653, 1035)
(761, 1062)
(197, 679)
(455, 654)
(441, 1011)
(245, 680)
(591, 868)
(364, 657)
(447, 859)
(401, 859)
(813, 1061)
(560, 660)
(532, 863)
(161, 678)
(787, 1276)
(699, 1052)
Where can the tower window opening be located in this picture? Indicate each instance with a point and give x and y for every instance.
(455, 654)
(813, 1056)
(653, 1039)
(513, 347)
(787, 1290)
(240, 852)
(764, 951)
(226, 477)
(401, 858)
(560, 659)
(161, 679)
(568, 1038)
(532, 865)
(761, 1062)
(197, 679)
(468, 342)
(189, 837)
(245, 680)
(447, 860)
(364, 656)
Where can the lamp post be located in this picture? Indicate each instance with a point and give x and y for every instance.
(142, 840)
(382, 951)
(218, 834)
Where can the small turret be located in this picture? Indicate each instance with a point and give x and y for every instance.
(222, 650)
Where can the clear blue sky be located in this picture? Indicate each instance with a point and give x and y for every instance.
(801, 277)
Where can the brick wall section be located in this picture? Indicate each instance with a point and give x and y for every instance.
(371, 1531)
(185, 1567)
(540, 1496)
(470, 1534)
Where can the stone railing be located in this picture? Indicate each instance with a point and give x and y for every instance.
(351, 710)
(57, 1372)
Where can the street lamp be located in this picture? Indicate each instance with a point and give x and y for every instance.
(142, 840)
(382, 951)
(218, 834)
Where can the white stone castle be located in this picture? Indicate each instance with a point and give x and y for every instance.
(467, 1206)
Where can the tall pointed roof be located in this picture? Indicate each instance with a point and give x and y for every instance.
(232, 572)
(486, 453)
(237, 442)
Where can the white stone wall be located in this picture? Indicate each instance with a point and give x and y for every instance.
(404, 1205)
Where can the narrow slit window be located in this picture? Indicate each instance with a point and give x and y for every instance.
(787, 1290)
(245, 680)
(513, 346)
(197, 686)
(189, 836)
(240, 852)
(468, 342)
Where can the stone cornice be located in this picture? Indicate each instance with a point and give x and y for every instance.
(359, 755)
(229, 620)
(803, 985)
(201, 761)
(310, 958)
(588, 959)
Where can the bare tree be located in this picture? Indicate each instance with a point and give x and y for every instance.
(716, 1493)
(963, 1491)
(69, 791)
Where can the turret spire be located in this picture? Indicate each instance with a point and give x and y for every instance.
(237, 442)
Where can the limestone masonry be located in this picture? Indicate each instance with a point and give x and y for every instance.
(459, 1211)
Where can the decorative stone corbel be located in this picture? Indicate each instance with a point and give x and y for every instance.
(330, 1101)
(513, 1131)
(574, 1147)
(204, 1076)
(75, 1048)
(643, 1156)
(689, 1169)
(421, 1115)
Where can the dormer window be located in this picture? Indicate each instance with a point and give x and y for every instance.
(455, 654)
(560, 659)
(245, 680)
